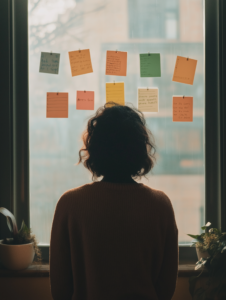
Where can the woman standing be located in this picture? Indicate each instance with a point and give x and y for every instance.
(114, 239)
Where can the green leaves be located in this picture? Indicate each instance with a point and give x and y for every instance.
(215, 231)
(19, 237)
(198, 237)
(10, 216)
(24, 229)
(206, 226)
(214, 242)
(194, 236)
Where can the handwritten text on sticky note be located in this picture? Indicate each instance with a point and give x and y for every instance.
(115, 92)
(80, 62)
(148, 99)
(182, 109)
(49, 63)
(85, 100)
(150, 65)
(184, 71)
(57, 105)
(116, 63)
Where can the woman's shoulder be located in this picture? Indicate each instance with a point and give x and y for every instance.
(77, 191)
(158, 195)
(146, 192)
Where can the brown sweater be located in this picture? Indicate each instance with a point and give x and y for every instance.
(111, 240)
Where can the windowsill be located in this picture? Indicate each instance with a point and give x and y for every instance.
(42, 270)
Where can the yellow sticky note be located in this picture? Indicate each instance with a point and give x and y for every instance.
(80, 62)
(182, 109)
(148, 99)
(184, 71)
(115, 92)
(57, 105)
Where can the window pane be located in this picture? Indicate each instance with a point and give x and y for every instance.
(168, 27)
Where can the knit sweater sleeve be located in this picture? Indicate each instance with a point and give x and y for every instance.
(61, 277)
(166, 283)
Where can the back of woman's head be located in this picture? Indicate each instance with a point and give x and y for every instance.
(117, 142)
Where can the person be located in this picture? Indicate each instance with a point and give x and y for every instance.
(114, 238)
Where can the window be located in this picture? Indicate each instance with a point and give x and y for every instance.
(65, 26)
(101, 26)
(153, 19)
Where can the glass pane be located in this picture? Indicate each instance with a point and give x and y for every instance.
(168, 27)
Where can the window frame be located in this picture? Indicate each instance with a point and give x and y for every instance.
(14, 74)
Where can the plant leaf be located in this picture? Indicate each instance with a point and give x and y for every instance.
(8, 215)
(9, 224)
(194, 236)
(24, 228)
(207, 225)
(224, 249)
(215, 230)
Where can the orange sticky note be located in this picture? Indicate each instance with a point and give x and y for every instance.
(115, 93)
(57, 105)
(182, 109)
(184, 71)
(116, 63)
(85, 100)
(80, 62)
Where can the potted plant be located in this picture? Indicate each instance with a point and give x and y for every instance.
(19, 251)
(211, 252)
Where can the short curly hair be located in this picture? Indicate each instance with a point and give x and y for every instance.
(117, 141)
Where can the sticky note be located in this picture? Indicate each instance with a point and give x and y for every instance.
(182, 109)
(148, 99)
(49, 63)
(150, 65)
(85, 100)
(116, 63)
(57, 105)
(80, 62)
(184, 71)
(115, 92)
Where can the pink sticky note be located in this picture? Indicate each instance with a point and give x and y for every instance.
(85, 100)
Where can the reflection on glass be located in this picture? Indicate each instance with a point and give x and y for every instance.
(143, 26)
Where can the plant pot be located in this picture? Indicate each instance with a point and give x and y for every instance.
(16, 257)
(201, 254)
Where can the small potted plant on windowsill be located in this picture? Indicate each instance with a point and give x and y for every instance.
(19, 251)
(211, 252)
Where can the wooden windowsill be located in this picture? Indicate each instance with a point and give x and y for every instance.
(42, 270)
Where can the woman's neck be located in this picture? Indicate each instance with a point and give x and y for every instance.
(118, 179)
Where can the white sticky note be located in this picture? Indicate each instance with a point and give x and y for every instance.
(148, 99)
(49, 63)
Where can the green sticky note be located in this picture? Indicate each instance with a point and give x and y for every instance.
(150, 65)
